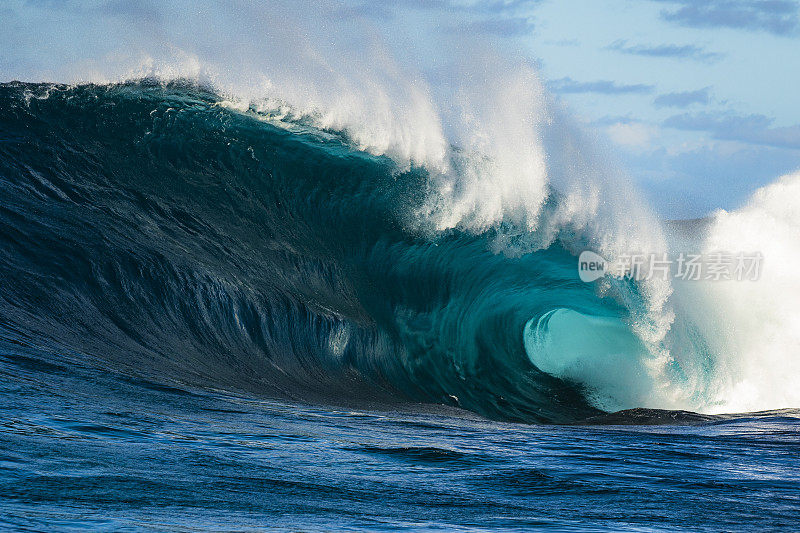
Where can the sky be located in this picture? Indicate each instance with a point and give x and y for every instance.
(697, 100)
(699, 97)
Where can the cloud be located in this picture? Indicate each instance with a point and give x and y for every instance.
(779, 17)
(636, 135)
(140, 10)
(609, 120)
(686, 51)
(498, 6)
(568, 85)
(504, 27)
(751, 129)
(563, 42)
(684, 99)
(499, 17)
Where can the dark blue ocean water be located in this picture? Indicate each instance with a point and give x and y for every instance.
(82, 448)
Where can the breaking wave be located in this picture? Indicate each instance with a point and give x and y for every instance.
(324, 216)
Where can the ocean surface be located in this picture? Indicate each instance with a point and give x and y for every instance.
(227, 317)
(82, 448)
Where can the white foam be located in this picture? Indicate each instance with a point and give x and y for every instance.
(753, 327)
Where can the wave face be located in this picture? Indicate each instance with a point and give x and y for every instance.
(156, 230)
(152, 229)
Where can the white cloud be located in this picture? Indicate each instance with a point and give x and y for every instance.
(631, 134)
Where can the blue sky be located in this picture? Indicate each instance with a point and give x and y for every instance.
(700, 97)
